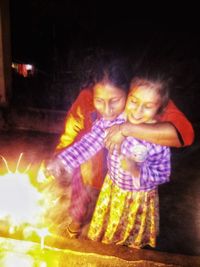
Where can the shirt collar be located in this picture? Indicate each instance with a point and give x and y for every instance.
(120, 119)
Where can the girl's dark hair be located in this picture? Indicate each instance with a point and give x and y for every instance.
(157, 82)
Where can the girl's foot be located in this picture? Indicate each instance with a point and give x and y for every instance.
(73, 230)
(71, 234)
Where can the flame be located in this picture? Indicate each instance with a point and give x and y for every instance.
(19, 199)
(17, 259)
(31, 210)
(25, 209)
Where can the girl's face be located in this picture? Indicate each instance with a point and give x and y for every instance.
(142, 105)
(108, 100)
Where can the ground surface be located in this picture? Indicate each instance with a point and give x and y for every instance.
(179, 199)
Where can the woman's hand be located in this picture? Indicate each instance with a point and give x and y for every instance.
(114, 138)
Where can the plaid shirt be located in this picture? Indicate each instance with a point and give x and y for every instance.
(154, 170)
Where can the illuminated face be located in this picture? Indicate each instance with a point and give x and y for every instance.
(142, 105)
(108, 100)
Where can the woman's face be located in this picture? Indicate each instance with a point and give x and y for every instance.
(142, 105)
(108, 100)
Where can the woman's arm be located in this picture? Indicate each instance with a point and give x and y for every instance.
(162, 133)
(173, 129)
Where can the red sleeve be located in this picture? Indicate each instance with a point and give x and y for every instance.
(173, 115)
(83, 102)
(78, 119)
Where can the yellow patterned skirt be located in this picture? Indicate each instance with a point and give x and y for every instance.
(125, 217)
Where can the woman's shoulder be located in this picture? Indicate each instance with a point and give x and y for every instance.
(84, 101)
(86, 92)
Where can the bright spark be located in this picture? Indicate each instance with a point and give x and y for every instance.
(18, 197)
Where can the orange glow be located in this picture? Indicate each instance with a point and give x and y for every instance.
(21, 204)
(18, 198)
(24, 218)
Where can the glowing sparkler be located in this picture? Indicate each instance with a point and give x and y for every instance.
(41, 232)
(26, 210)
(18, 197)
(23, 207)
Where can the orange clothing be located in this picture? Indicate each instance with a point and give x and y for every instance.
(80, 118)
(173, 115)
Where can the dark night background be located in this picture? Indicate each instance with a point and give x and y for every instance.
(60, 37)
(57, 35)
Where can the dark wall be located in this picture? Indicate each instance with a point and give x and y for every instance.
(173, 53)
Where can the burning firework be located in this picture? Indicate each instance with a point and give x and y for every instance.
(18, 198)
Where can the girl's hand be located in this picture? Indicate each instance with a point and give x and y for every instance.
(132, 167)
(128, 164)
(114, 138)
(55, 168)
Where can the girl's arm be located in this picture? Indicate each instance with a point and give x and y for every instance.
(76, 154)
(131, 166)
(156, 169)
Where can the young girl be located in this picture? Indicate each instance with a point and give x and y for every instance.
(127, 208)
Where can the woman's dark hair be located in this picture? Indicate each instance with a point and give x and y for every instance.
(114, 71)
(157, 82)
(106, 66)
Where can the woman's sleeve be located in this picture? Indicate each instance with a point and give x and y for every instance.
(77, 119)
(183, 126)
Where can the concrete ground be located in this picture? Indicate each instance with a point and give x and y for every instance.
(179, 200)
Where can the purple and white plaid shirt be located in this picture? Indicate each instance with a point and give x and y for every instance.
(154, 170)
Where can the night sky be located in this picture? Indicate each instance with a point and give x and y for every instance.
(47, 32)
(41, 27)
